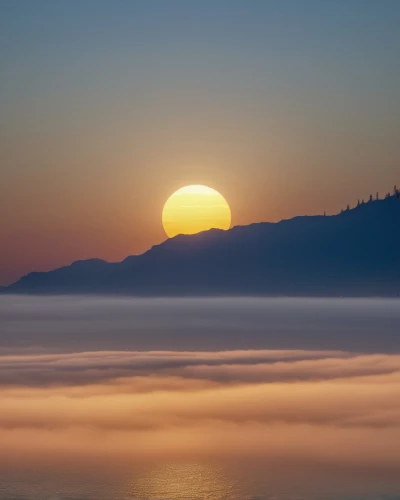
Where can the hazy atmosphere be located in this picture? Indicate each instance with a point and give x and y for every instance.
(199, 258)
(70, 324)
(286, 108)
(95, 385)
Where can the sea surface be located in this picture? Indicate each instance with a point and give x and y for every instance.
(212, 398)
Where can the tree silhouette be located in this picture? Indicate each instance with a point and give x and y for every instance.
(377, 195)
(370, 198)
(358, 202)
(348, 208)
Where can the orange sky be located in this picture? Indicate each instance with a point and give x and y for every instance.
(284, 111)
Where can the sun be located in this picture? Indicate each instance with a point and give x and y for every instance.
(195, 208)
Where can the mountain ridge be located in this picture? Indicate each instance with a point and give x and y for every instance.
(355, 252)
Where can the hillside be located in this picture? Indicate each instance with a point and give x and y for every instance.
(356, 252)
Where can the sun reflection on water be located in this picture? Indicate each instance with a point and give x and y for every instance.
(174, 481)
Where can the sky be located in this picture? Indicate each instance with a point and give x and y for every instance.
(285, 107)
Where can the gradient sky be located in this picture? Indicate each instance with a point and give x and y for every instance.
(285, 107)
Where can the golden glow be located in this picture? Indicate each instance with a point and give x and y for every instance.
(181, 480)
(302, 406)
(193, 209)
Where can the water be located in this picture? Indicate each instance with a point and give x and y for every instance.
(274, 399)
(211, 480)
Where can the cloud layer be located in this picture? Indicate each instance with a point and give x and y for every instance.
(60, 324)
(293, 388)
(317, 405)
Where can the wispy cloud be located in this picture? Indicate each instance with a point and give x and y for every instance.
(329, 404)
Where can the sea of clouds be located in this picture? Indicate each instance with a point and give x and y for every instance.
(335, 400)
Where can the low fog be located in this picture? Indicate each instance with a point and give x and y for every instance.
(78, 323)
(298, 384)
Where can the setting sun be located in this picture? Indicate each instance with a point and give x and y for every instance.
(195, 208)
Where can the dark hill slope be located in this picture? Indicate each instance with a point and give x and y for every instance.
(356, 252)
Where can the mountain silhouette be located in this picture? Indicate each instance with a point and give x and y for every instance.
(356, 252)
